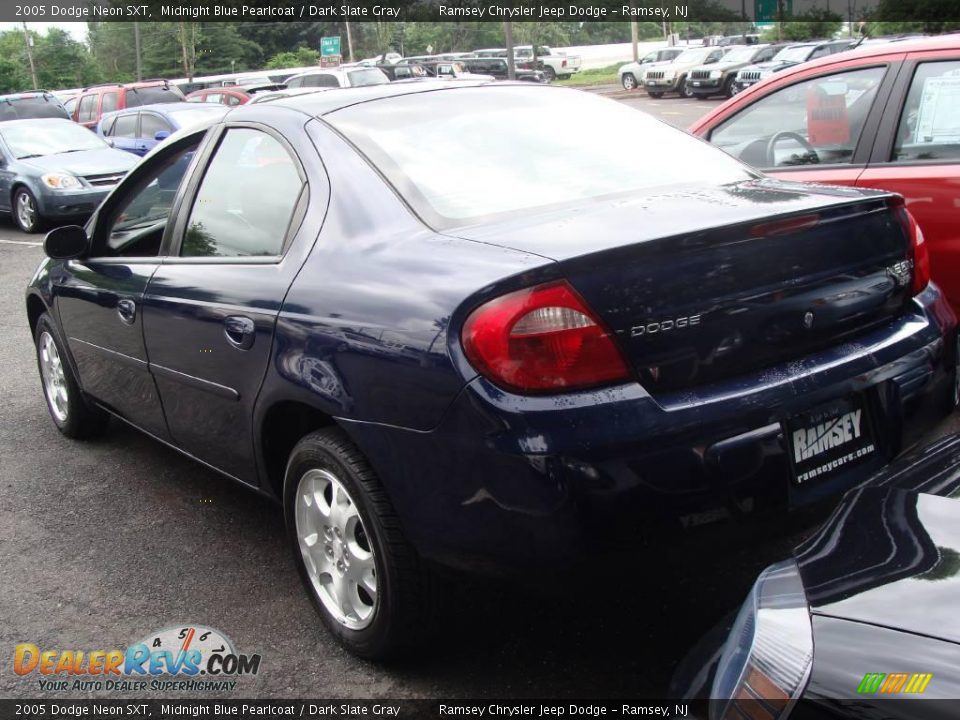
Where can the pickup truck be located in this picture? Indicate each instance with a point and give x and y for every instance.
(553, 64)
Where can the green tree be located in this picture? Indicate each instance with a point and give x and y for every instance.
(303, 57)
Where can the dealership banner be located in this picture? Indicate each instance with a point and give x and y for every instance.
(321, 709)
(458, 10)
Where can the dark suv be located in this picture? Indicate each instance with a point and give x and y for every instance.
(97, 100)
(719, 78)
(31, 104)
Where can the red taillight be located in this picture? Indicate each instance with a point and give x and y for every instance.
(541, 339)
(918, 245)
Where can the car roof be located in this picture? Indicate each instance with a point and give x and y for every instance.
(328, 102)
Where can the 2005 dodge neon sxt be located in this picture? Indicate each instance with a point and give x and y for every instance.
(444, 333)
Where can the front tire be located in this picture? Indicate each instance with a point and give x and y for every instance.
(629, 81)
(365, 580)
(26, 212)
(69, 410)
(684, 91)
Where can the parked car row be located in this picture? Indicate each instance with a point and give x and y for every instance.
(704, 71)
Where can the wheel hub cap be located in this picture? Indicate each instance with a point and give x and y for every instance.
(336, 549)
(54, 380)
(25, 210)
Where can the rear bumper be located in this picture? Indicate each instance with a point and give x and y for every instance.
(505, 481)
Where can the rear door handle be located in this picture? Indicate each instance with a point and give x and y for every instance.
(127, 310)
(240, 331)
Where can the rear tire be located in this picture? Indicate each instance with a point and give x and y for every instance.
(68, 408)
(550, 73)
(366, 581)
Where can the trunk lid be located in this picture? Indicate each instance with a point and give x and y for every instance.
(703, 284)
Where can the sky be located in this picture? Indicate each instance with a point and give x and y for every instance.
(77, 29)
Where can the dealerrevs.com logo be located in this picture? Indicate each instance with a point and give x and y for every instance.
(185, 658)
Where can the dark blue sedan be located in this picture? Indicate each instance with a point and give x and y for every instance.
(442, 333)
(139, 129)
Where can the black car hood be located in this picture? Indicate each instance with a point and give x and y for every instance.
(890, 554)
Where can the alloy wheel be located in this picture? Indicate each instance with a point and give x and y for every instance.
(26, 210)
(336, 549)
(54, 379)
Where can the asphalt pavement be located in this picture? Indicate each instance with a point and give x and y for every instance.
(105, 542)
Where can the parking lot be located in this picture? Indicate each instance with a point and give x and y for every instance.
(107, 541)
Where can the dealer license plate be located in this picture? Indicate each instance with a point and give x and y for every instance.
(830, 440)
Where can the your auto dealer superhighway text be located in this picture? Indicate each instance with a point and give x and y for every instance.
(573, 709)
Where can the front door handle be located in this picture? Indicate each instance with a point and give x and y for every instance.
(240, 331)
(127, 310)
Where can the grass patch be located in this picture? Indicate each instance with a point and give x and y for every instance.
(595, 76)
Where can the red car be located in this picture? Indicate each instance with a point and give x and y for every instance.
(95, 101)
(230, 95)
(884, 116)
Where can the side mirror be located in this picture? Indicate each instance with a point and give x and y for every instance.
(66, 243)
(161, 135)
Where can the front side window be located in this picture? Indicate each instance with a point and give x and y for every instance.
(930, 122)
(126, 126)
(295, 82)
(245, 202)
(814, 122)
(136, 227)
(322, 80)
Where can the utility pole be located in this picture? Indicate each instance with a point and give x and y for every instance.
(29, 42)
(136, 45)
(349, 42)
(508, 37)
(635, 38)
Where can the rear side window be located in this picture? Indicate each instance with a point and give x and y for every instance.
(108, 103)
(215, 98)
(126, 126)
(245, 202)
(930, 122)
(295, 82)
(88, 109)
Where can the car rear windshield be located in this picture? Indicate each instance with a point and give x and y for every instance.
(30, 140)
(461, 155)
(150, 95)
(367, 76)
(14, 108)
